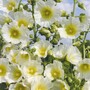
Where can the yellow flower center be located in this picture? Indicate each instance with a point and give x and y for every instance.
(71, 29)
(20, 87)
(11, 5)
(41, 87)
(47, 13)
(14, 33)
(55, 72)
(8, 49)
(62, 86)
(22, 22)
(3, 70)
(24, 56)
(13, 57)
(84, 68)
(42, 51)
(32, 70)
(17, 74)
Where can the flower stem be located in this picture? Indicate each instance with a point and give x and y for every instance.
(73, 13)
(74, 7)
(84, 45)
(19, 4)
(34, 26)
(85, 34)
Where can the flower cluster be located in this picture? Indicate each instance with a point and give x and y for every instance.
(43, 45)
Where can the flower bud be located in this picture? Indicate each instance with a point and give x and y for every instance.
(54, 41)
(8, 20)
(31, 36)
(82, 17)
(78, 43)
(53, 28)
(57, 36)
(45, 31)
(63, 13)
(81, 5)
(58, 1)
(89, 54)
(57, 24)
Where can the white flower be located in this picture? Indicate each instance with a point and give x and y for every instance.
(86, 86)
(83, 69)
(42, 48)
(59, 51)
(12, 56)
(11, 4)
(46, 13)
(22, 18)
(41, 83)
(14, 74)
(71, 28)
(22, 57)
(14, 34)
(32, 68)
(73, 55)
(7, 48)
(19, 86)
(4, 68)
(54, 71)
(3, 17)
(60, 85)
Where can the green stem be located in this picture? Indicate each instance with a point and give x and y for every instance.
(84, 46)
(73, 13)
(19, 4)
(74, 7)
(34, 26)
(85, 34)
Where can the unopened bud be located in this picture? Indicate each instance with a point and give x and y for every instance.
(81, 5)
(78, 43)
(58, 1)
(45, 32)
(63, 13)
(8, 20)
(53, 28)
(82, 17)
(54, 41)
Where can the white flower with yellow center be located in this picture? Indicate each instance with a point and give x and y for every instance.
(60, 85)
(19, 86)
(12, 56)
(73, 55)
(22, 57)
(42, 48)
(54, 71)
(59, 51)
(46, 13)
(4, 68)
(71, 28)
(22, 18)
(83, 69)
(7, 48)
(32, 68)
(11, 4)
(14, 74)
(86, 86)
(41, 83)
(14, 34)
